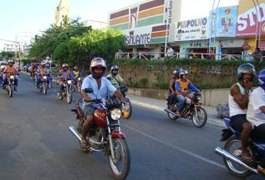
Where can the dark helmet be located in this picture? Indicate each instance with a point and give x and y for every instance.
(97, 63)
(183, 72)
(261, 79)
(245, 69)
(114, 70)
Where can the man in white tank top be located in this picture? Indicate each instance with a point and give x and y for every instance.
(238, 102)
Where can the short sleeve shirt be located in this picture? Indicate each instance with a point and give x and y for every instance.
(256, 100)
(106, 88)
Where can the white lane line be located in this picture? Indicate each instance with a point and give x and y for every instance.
(176, 148)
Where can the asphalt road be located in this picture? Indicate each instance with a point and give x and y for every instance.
(35, 143)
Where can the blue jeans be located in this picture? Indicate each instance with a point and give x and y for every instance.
(39, 80)
(181, 102)
(5, 81)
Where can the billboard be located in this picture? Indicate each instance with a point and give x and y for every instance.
(251, 18)
(193, 29)
(226, 21)
(146, 35)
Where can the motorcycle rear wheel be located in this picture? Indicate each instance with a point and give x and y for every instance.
(233, 146)
(120, 166)
(199, 120)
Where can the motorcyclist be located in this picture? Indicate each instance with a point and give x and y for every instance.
(64, 75)
(114, 76)
(10, 69)
(172, 93)
(42, 71)
(256, 115)
(76, 72)
(101, 89)
(33, 69)
(238, 102)
(182, 85)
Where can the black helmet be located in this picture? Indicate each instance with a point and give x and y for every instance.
(245, 69)
(114, 69)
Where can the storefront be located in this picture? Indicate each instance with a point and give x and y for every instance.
(147, 25)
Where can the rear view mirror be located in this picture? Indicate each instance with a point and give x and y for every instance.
(88, 90)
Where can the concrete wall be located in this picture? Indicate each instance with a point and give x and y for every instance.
(211, 97)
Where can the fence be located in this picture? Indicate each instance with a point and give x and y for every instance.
(161, 55)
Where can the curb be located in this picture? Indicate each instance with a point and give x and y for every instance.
(160, 109)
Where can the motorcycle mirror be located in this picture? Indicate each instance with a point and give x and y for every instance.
(89, 90)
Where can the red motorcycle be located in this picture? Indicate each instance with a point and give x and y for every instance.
(105, 133)
(193, 110)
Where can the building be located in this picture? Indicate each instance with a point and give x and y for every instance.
(151, 25)
(62, 12)
(147, 25)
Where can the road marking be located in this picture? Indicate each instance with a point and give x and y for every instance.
(176, 148)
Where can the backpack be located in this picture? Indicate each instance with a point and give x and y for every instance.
(222, 111)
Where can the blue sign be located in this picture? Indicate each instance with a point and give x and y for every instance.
(223, 22)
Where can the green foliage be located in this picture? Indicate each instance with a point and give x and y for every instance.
(7, 54)
(46, 44)
(205, 74)
(26, 61)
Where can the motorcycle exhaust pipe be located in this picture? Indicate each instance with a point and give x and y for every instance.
(171, 112)
(231, 157)
(73, 130)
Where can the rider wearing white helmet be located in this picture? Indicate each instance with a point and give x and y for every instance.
(101, 89)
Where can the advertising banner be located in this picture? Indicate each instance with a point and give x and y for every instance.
(226, 22)
(193, 29)
(251, 18)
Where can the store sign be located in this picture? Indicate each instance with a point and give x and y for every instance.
(191, 29)
(223, 22)
(138, 36)
(249, 18)
(168, 11)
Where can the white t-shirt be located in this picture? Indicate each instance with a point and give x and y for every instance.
(170, 52)
(256, 100)
(106, 88)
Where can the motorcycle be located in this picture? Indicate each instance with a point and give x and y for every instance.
(77, 84)
(105, 134)
(43, 86)
(193, 110)
(10, 84)
(67, 91)
(126, 105)
(231, 152)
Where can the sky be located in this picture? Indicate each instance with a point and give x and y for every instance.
(33, 16)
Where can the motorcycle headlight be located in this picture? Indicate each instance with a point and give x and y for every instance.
(45, 77)
(69, 82)
(12, 77)
(79, 79)
(115, 114)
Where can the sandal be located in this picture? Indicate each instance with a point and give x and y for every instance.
(84, 145)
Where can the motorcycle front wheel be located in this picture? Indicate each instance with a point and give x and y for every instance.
(233, 146)
(199, 119)
(9, 91)
(69, 97)
(44, 88)
(120, 165)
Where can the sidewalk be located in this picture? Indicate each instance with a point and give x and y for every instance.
(159, 105)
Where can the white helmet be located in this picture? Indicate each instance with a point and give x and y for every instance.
(97, 62)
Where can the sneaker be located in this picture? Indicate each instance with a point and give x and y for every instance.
(84, 145)
(178, 114)
(261, 170)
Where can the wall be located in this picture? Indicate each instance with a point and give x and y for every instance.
(211, 97)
